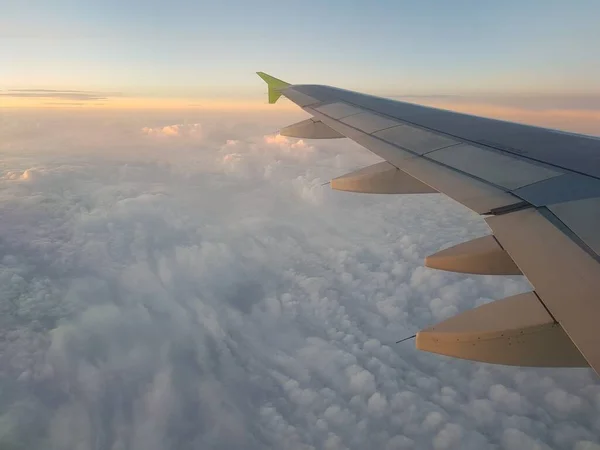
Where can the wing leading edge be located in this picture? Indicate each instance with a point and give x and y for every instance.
(538, 190)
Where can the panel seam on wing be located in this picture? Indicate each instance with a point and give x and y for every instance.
(545, 307)
(461, 139)
(563, 227)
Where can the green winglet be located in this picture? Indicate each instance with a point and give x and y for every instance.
(275, 86)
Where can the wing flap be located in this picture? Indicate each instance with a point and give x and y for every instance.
(484, 256)
(380, 178)
(513, 331)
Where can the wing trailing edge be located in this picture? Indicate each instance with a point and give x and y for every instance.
(516, 331)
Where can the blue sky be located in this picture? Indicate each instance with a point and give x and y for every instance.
(199, 48)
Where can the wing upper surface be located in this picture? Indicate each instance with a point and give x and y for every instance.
(574, 152)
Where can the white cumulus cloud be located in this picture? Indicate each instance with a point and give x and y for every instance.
(195, 286)
(178, 130)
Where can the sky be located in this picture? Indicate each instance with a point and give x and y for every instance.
(210, 50)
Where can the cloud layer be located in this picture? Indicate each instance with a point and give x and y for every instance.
(189, 283)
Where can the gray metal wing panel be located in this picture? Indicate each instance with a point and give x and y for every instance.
(415, 139)
(567, 187)
(499, 169)
(583, 218)
(338, 110)
(573, 152)
(369, 122)
(299, 98)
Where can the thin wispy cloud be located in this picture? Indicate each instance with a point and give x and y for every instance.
(59, 94)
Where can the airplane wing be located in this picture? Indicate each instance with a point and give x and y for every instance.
(537, 189)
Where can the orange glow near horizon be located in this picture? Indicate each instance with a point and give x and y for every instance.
(575, 120)
(143, 103)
